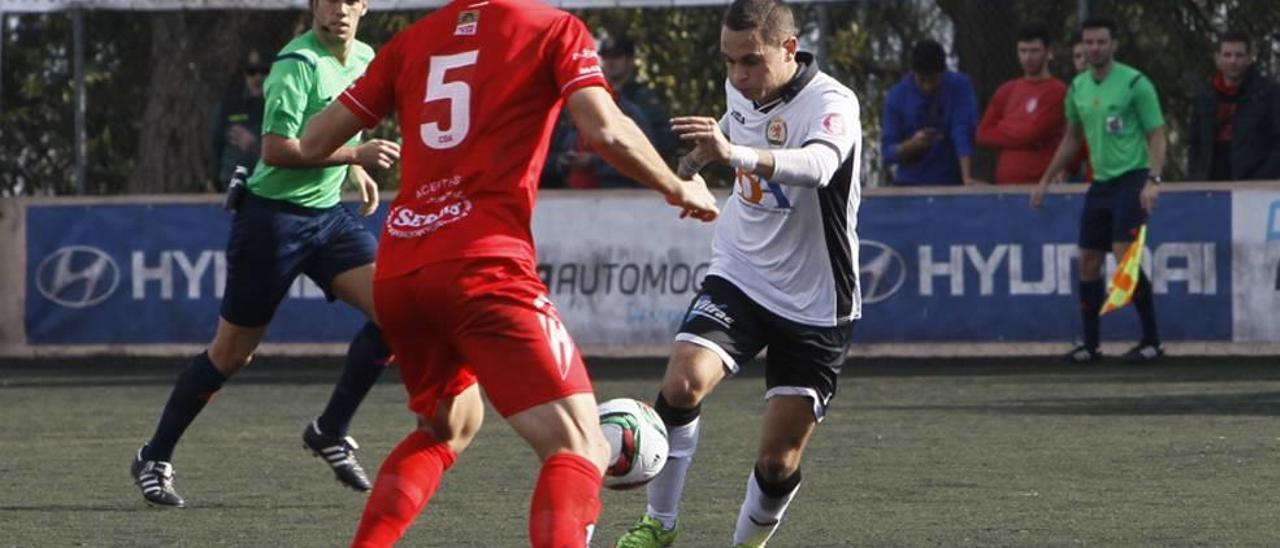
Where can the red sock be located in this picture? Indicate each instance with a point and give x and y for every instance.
(405, 483)
(566, 502)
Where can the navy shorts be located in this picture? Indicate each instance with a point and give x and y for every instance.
(1112, 211)
(803, 360)
(274, 241)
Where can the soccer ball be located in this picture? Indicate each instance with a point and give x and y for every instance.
(637, 442)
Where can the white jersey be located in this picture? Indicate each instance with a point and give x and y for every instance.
(794, 250)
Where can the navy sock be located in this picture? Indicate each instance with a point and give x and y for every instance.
(194, 388)
(1146, 307)
(366, 359)
(1091, 296)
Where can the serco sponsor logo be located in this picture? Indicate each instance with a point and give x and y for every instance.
(77, 276)
(407, 223)
(882, 271)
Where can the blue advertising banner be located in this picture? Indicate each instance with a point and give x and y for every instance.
(989, 268)
(954, 268)
(148, 274)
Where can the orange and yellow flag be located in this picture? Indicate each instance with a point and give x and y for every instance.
(1125, 281)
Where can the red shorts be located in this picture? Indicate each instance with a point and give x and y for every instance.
(487, 319)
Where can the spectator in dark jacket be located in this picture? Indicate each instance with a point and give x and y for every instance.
(1235, 122)
(571, 164)
(929, 122)
(618, 61)
(237, 126)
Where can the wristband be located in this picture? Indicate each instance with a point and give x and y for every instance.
(744, 158)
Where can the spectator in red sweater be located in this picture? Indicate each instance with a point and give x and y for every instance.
(1024, 121)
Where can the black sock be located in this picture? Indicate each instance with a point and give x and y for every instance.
(675, 416)
(780, 489)
(1092, 294)
(1146, 307)
(194, 388)
(366, 359)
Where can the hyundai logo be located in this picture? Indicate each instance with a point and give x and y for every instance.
(77, 276)
(882, 271)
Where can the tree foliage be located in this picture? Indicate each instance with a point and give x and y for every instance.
(155, 78)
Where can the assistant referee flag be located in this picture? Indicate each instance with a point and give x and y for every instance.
(1125, 281)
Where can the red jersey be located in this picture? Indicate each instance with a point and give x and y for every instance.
(1024, 121)
(476, 86)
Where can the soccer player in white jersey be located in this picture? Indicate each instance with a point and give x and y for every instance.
(784, 268)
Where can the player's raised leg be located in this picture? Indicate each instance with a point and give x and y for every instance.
(693, 371)
(789, 422)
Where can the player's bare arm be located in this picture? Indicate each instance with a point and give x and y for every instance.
(1067, 149)
(325, 134)
(621, 143)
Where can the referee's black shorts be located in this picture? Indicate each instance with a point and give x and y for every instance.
(273, 241)
(1112, 211)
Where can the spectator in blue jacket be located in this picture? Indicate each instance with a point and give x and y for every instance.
(929, 122)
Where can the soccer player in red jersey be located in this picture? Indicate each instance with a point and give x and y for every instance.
(476, 87)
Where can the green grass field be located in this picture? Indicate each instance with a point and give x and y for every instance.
(914, 453)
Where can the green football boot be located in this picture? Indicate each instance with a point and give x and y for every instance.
(647, 533)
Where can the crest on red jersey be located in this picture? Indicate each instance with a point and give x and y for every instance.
(468, 23)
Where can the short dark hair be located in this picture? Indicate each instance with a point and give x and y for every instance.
(1033, 32)
(772, 18)
(1101, 23)
(1238, 37)
(928, 57)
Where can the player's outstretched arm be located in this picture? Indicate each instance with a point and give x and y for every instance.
(322, 143)
(618, 140)
(810, 166)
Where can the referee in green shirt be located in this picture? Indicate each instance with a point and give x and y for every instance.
(290, 222)
(1115, 109)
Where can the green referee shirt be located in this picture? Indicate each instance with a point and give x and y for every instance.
(1116, 115)
(304, 79)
